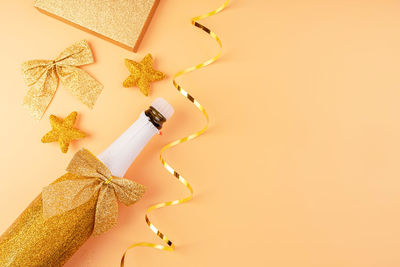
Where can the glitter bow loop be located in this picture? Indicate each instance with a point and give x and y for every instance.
(94, 179)
(43, 76)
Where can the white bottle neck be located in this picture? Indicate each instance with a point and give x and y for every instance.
(119, 156)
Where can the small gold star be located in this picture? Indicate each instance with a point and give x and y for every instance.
(63, 131)
(142, 74)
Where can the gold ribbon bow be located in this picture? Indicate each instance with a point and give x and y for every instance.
(42, 78)
(94, 179)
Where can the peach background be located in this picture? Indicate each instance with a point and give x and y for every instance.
(300, 166)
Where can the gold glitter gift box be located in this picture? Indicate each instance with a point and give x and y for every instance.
(122, 22)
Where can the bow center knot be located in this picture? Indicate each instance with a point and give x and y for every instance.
(66, 195)
(108, 180)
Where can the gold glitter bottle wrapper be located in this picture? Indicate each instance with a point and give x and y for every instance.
(33, 240)
(123, 22)
(75, 206)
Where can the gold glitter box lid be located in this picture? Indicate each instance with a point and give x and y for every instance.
(122, 22)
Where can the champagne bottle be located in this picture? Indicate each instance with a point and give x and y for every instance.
(33, 240)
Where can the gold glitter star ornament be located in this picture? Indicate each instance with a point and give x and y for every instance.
(63, 131)
(142, 74)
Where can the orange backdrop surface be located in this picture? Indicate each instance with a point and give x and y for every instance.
(300, 166)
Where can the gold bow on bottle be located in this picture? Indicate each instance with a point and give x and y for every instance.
(42, 77)
(95, 179)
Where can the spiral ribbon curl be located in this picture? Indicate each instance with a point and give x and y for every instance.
(169, 244)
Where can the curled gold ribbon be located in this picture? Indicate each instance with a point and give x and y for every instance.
(95, 179)
(42, 77)
(169, 244)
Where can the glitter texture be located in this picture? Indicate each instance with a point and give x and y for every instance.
(121, 21)
(35, 239)
(63, 131)
(42, 78)
(142, 74)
